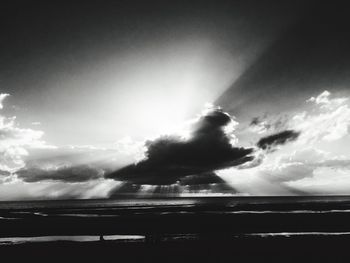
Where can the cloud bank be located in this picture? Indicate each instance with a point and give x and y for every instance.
(30, 168)
(318, 160)
(305, 152)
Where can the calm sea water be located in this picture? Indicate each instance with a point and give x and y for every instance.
(159, 202)
(13, 210)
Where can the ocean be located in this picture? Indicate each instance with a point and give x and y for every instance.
(175, 201)
(135, 219)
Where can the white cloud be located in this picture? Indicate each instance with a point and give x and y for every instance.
(325, 180)
(15, 142)
(260, 127)
(291, 167)
(328, 119)
(318, 162)
(325, 102)
(308, 170)
(130, 147)
(2, 98)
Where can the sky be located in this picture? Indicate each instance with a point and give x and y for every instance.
(178, 98)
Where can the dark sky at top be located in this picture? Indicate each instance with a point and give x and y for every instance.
(58, 58)
(310, 56)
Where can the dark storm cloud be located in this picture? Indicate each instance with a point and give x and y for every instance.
(204, 178)
(70, 174)
(4, 173)
(170, 158)
(280, 138)
(255, 121)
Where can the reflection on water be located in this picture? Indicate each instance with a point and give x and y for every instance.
(184, 202)
(288, 234)
(19, 240)
(164, 238)
(217, 210)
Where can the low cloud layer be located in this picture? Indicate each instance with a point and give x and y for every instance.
(209, 147)
(271, 141)
(71, 174)
(311, 171)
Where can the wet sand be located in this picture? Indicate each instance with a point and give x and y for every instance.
(272, 230)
